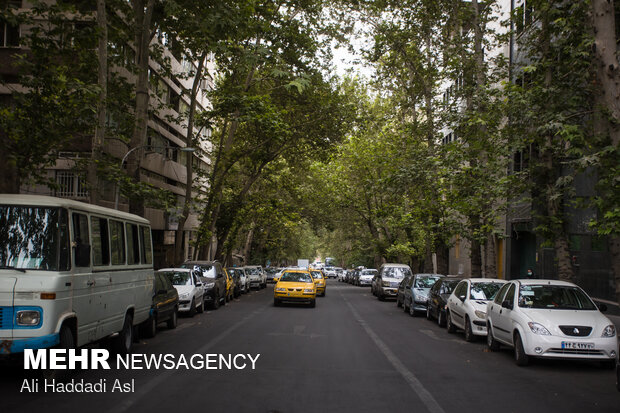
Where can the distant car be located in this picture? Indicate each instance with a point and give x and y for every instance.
(319, 281)
(330, 272)
(230, 286)
(467, 306)
(364, 277)
(165, 305)
(238, 276)
(416, 291)
(188, 285)
(257, 277)
(270, 273)
(438, 298)
(385, 283)
(550, 319)
(343, 275)
(213, 279)
(295, 286)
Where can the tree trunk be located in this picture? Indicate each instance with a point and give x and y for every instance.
(475, 255)
(189, 180)
(490, 258)
(142, 39)
(443, 258)
(247, 248)
(102, 82)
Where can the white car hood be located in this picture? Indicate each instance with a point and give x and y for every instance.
(366, 277)
(184, 289)
(551, 319)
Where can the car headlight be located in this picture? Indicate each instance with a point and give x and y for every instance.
(481, 314)
(28, 318)
(609, 331)
(184, 296)
(538, 329)
(385, 283)
(280, 290)
(308, 290)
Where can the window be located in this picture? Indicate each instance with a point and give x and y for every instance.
(70, 185)
(101, 241)
(117, 242)
(81, 240)
(500, 295)
(133, 245)
(461, 289)
(145, 243)
(510, 295)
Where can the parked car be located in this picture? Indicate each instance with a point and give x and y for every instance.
(230, 286)
(295, 286)
(330, 272)
(385, 283)
(438, 298)
(550, 319)
(339, 271)
(365, 276)
(270, 273)
(189, 287)
(415, 293)
(467, 306)
(213, 279)
(238, 276)
(343, 275)
(257, 277)
(165, 305)
(319, 281)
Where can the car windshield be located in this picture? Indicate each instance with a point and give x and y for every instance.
(253, 271)
(34, 238)
(557, 297)
(369, 272)
(396, 272)
(205, 270)
(302, 277)
(317, 274)
(178, 278)
(484, 291)
(426, 281)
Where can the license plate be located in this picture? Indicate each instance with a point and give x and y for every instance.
(577, 346)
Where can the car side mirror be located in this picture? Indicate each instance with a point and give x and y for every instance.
(462, 297)
(507, 304)
(198, 284)
(602, 307)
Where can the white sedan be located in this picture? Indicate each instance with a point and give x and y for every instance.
(467, 306)
(190, 289)
(550, 319)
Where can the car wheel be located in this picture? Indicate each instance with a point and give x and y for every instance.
(276, 302)
(66, 341)
(449, 326)
(123, 343)
(398, 303)
(469, 334)
(312, 303)
(440, 318)
(521, 358)
(172, 321)
(428, 313)
(412, 310)
(324, 292)
(149, 328)
(192, 308)
(201, 309)
(215, 304)
(492, 344)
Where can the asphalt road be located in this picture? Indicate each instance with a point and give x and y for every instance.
(352, 353)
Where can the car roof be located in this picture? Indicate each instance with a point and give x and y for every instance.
(395, 265)
(477, 280)
(175, 269)
(545, 282)
(429, 274)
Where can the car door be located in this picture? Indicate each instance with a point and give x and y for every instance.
(503, 323)
(456, 304)
(198, 286)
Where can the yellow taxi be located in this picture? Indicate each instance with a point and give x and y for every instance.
(295, 286)
(319, 281)
(230, 286)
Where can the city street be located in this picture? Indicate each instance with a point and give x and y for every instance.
(351, 353)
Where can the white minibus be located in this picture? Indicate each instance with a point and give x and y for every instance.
(71, 274)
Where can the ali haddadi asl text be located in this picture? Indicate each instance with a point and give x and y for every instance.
(77, 386)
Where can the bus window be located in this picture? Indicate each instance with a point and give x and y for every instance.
(117, 242)
(133, 246)
(81, 240)
(101, 241)
(147, 252)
